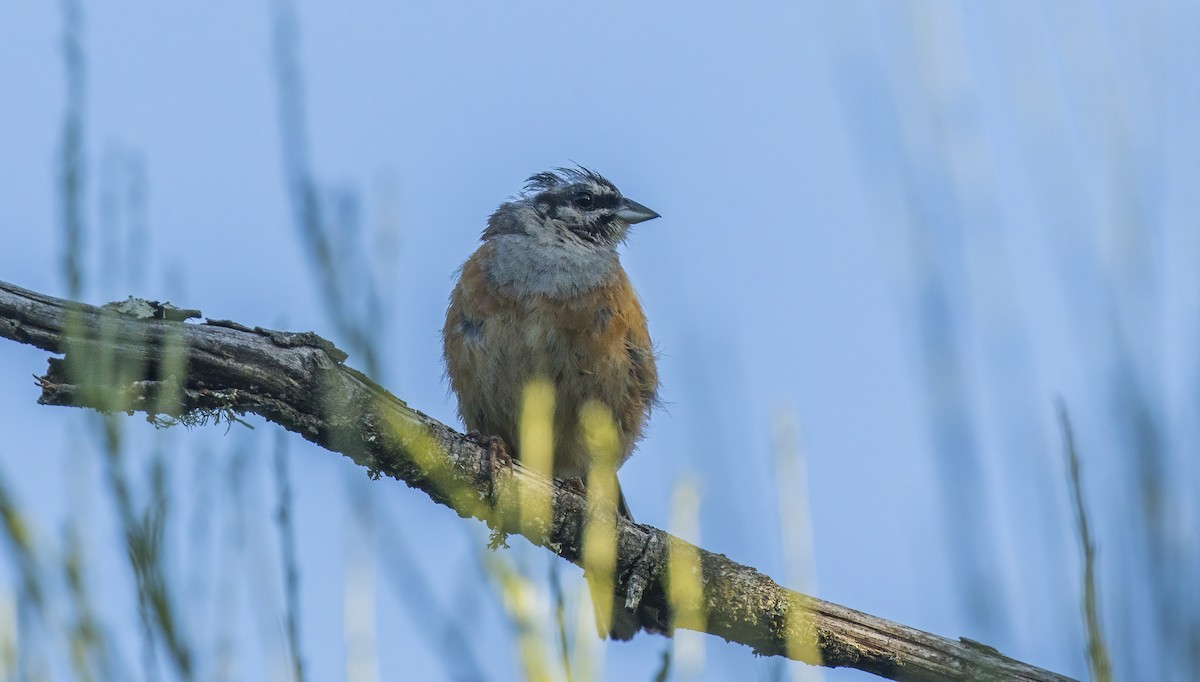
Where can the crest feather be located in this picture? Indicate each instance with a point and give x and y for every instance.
(561, 177)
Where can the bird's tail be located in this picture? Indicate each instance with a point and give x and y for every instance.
(620, 623)
(622, 505)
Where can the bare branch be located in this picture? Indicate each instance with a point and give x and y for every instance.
(299, 381)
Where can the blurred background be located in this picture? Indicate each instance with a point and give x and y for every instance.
(894, 236)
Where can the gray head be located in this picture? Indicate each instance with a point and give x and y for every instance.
(576, 204)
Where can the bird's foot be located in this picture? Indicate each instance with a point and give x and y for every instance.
(497, 455)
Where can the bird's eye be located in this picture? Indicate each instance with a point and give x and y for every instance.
(583, 200)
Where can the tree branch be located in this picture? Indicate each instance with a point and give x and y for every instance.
(114, 361)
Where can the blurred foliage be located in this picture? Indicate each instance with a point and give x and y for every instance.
(189, 588)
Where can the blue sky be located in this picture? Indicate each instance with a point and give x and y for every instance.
(905, 227)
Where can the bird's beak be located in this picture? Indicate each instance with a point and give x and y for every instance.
(633, 212)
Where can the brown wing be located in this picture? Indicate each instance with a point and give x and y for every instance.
(643, 376)
(644, 368)
(472, 350)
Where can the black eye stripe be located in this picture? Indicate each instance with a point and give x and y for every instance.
(602, 199)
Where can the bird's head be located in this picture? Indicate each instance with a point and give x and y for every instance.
(572, 203)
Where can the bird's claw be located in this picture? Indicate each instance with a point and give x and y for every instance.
(497, 455)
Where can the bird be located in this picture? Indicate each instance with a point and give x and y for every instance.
(544, 298)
